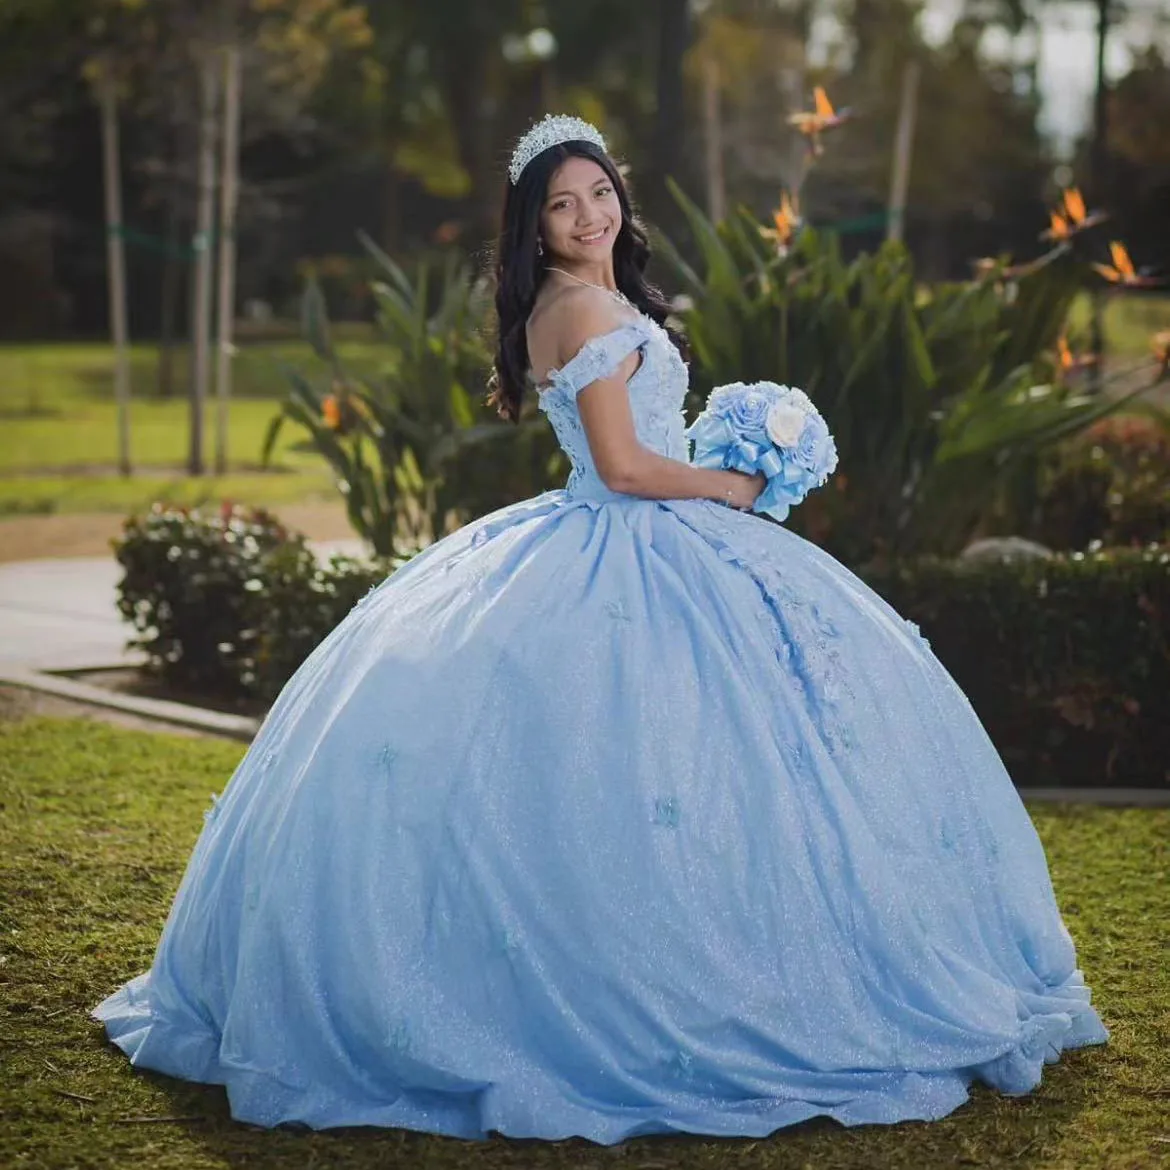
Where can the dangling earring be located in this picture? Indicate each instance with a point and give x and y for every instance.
(539, 247)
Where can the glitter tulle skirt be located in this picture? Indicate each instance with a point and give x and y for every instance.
(606, 818)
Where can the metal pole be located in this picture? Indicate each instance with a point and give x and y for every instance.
(116, 261)
(227, 250)
(903, 149)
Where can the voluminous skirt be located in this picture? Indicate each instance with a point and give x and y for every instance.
(605, 820)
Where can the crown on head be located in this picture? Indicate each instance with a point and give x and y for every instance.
(549, 131)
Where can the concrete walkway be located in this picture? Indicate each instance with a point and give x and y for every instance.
(62, 614)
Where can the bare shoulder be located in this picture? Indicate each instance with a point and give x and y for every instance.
(566, 321)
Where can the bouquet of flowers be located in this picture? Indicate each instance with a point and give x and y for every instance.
(772, 429)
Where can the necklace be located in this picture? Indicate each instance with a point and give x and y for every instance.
(616, 294)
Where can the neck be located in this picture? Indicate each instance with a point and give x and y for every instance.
(600, 272)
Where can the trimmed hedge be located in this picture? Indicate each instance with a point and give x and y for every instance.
(228, 601)
(1066, 660)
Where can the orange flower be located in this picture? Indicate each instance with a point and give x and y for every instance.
(786, 217)
(1060, 229)
(1067, 361)
(1121, 271)
(1071, 217)
(813, 123)
(331, 412)
(1074, 205)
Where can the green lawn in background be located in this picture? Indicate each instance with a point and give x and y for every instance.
(48, 494)
(58, 428)
(96, 824)
(1130, 324)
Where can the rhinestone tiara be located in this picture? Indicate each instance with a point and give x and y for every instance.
(549, 131)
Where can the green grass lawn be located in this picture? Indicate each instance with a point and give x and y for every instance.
(95, 828)
(1130, 323)
(58, 428)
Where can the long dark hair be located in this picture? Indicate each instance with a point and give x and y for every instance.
(520, 270)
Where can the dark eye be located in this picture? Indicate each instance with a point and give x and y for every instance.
(606, 190)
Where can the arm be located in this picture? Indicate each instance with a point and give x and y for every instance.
(623, 464)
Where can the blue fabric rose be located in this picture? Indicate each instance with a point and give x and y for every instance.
(811, 450)
(749, 411)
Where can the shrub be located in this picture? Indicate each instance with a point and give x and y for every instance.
(1109, 484)
(228, 602)
(1066, 661)
(191, 588)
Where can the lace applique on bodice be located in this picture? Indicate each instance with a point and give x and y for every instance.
(657, 389)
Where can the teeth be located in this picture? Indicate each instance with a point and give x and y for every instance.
(595, 236)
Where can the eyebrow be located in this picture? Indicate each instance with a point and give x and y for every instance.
(555, 194)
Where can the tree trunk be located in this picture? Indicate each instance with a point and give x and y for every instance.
(202, 291)
(169, 303)
(674, 33)
(227, 250)
(116, 257)
(466, 88)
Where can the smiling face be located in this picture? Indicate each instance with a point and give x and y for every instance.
(581, 216)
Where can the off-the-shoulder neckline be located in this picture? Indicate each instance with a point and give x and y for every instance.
(549, 381)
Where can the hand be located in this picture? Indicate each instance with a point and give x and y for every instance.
(743, 489)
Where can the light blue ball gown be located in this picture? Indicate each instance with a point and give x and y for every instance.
(607, 816)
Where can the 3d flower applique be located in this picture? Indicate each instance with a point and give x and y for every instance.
(948, 838)
(667, 811)
(399, 1037)
(617, 610)
(387, 755)
(913, 628)
(214, 810)
(682, 1064)
(798, 755)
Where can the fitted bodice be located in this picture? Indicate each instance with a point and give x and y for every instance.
(656, 389)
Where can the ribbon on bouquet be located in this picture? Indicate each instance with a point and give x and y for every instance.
(720, 447)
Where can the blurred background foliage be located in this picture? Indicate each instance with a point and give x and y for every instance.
(397, 117)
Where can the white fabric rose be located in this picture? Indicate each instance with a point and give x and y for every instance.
(785, 424)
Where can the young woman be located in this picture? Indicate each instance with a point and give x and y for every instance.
(619, 811)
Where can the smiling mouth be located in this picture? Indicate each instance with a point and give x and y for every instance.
(595, 238)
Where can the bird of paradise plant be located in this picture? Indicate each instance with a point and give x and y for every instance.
(1069, 363)
(819, 120)
(1122, 272)
(786, 220)
(1071, 217)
